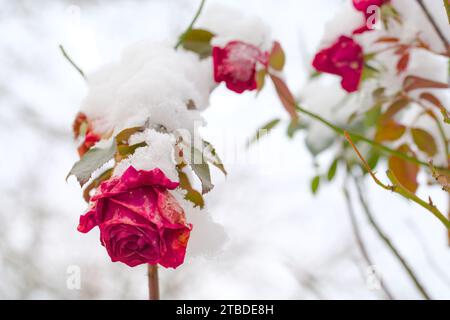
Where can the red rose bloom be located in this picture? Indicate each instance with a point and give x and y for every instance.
(139, 220)
(363, 6)
(344, 58)
(236, 65)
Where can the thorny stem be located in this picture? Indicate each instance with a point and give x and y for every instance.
(68, 58)
(387, 241)
(356, 136)
(189, 28)
(359, 240)
(153, 282)
(397, 187)
(434, 25)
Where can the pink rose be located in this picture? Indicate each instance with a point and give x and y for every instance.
(139, 220)
(344, 58)
(363, 6)
(236, 65)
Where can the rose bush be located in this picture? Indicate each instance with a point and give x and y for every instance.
(139, 220)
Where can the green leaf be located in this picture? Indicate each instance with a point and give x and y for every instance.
(260, 79)
(424, 141)
(372, 115)
(368, 72)
(213, 157)
(191, 194)
(447, 9)
(332, 170)
(293, 127)
(277, 57)
(123, 136)
(91, 161)
(263, 131)
(201, 170)
(198, 41)
(126, 150)
(315, 182)
(374, 157)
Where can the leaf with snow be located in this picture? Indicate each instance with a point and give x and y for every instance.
(91, 161)
(212, 156)
(201, 170)
(191, 194)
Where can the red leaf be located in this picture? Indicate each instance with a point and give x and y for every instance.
(413, 82)
(403, 63)
(286, 97)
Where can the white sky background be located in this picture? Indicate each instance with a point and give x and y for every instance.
(283, 242)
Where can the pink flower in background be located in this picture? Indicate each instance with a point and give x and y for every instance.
(139, 220)
(236, 65)
(344, 58)
(364, 6)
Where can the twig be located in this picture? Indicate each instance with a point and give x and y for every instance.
(434, 25)
(387, 241)
(68, 58)
(360, 241)
(397, 187)
(189, 28)
(153, 282)
(356, 136)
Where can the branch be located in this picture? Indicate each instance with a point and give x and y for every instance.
(189, 28)
(387, 241)
(434, 25)
(397, 187)
(360, 241)
(356, 136)
(68, 58)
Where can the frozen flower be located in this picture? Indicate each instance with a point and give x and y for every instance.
(343, 58)
(235, 64)
(140, 221)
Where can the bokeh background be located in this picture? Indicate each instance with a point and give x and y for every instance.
(283, 242)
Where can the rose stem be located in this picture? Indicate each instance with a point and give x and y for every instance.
(153, 282)
(434, 25)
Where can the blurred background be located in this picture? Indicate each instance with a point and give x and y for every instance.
(283, 241)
